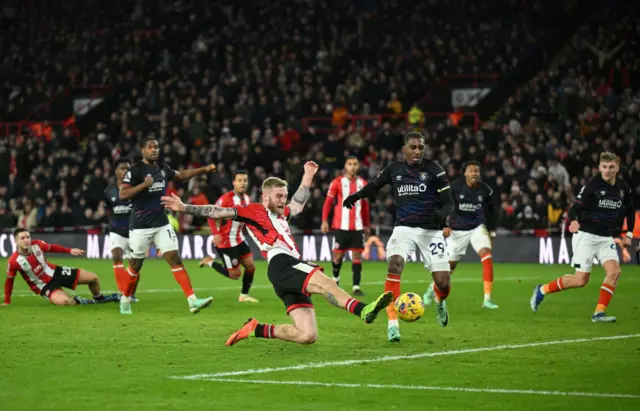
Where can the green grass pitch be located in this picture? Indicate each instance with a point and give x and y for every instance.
(91, 357)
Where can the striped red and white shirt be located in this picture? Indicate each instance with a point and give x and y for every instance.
(269, 231)
(358, 217)
(229, 230)
(34, 268)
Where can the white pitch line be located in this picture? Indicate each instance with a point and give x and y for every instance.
(268, 286)
(430, 388)
(399, 357)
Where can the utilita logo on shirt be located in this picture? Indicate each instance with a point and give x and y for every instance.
(122, 209)
(469, 207)
(157, 186)
(411, 189)
(610, 204)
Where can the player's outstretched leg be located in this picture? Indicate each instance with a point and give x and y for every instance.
(577, 280)
(318, 283)
(304, 329)
(247, 279)
(356, 270)
(392, 284)
(92, 280)
(487, 275)
(180, 274)
(441, 289)
(336, 265)
(612, 275)
(217, 267)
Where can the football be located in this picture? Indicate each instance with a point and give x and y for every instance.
(409, 307)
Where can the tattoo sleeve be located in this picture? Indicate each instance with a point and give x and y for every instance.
(302, 195)
(210, 211)
(332, 300)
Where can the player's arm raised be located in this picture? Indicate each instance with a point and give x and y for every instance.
(301, 196)
(370, 189)
(194, 172)
(209, 211)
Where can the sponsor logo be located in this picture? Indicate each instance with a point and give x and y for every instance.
(411, 189)
(610, 204)
(157, 186)
(122, 209)
(469, 207)
(37, 269)
(423, 176)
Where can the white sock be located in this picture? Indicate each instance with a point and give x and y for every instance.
(487, 297)
(192, 298)
(210, 263)
(356, 287)
(336, 279)
(125, 299)
(244, 295)
(393, 323)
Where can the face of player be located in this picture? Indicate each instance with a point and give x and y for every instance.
(351, 167)
(414, 151)
(472, 174)
(151, 150)
(240, 183)
(23, 240)
(121, 170)
(275, 199)
(608, 170)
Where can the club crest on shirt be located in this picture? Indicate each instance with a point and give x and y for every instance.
(621, 193)
(603, 193)
(461, 196)
(423, 176)
(113, 199)
(162, 173)
(479, 198)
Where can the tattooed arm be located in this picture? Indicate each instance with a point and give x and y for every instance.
(210, 211)
(301, 196)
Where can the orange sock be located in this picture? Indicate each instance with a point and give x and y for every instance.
(606, 292)
(392, 284)
(553, 287)
(441, 295)
(131, 279)
(181, 276)
(487, 275)
(121, 277)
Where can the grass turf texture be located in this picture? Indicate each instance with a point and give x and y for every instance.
(70, 358)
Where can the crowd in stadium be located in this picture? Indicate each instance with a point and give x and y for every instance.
(211, 95)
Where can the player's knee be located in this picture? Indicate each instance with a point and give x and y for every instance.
(307, 337)
(235, 273)
(116, 255)
(396, 264)
(453, 265)
(337, 257)
(483, 252)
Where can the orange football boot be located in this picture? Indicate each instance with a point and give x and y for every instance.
(243, 333)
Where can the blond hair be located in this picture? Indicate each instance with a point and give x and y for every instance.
(607, 157)
(273, 182)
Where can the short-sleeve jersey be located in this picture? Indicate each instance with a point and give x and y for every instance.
(147, 211)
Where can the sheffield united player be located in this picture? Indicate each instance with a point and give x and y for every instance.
(145, 183)
(350, 225)
(596, 217)
(47, 279)
(474, 206)
(119, 214)
(228, 238)
(423, 203)
(294, 280)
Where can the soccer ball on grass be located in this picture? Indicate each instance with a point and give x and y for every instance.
(409, 307)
